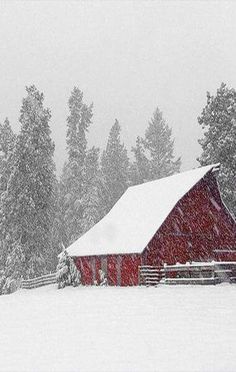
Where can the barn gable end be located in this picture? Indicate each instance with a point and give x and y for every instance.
(199, 228)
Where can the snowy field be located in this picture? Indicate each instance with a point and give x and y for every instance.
(184, 328)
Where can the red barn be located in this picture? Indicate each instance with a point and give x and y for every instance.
(175, 219)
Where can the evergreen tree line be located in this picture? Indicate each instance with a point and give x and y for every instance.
(40, 214)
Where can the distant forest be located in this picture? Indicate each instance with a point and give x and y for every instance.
(41, 214)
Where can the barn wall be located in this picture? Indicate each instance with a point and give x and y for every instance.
(84, 265)
(120, 269)
(129, 270)
(112, 270)
(198, 228)
(77, 262)
(98, 267)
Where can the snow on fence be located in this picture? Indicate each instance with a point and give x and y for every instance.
(39, 281)
(200, 273)
(188, 273)
(150, 275)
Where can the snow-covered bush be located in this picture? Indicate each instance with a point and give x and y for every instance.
(103, 278)
(67, 272)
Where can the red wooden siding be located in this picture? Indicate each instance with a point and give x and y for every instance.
(98, 267)
(86, 270)
(129, 269)
(112, 270)
(196, 230)
(78, 265)
(199, 228)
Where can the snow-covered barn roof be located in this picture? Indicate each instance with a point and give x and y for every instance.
(137, 215)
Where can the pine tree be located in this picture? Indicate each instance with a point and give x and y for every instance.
(14, 268)
(140, 168)
(218, 120)
(72, 180)
(62, 206)
(29, 203)
(7, 143)
(62, 270)
(115, 167)
(56, 233)
(67, 272)
(159, 145)
(92, 197)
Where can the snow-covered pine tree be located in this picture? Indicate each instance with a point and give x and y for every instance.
(115, 167)
(7, 143)
(62, 206)
(14, 268)
(57, 232)
(93, 189)
(62, 270)
(140, 168)
(29, 203)
(75, 276)
(159, 146)
(72, 180)
(67, 272)
(218, 120)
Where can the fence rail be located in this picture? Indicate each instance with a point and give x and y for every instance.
(39, 281)
(188, 273)
(200, 273)
(150, 275)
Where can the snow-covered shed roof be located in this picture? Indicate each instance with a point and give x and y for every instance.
(137, 215)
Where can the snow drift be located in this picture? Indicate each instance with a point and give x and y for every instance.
(164, 329)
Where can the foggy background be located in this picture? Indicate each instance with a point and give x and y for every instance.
(127, 58)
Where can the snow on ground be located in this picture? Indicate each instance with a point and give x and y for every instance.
(177, 328)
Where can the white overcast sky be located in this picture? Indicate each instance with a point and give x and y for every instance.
(127, 58)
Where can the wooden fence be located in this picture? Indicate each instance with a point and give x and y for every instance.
(39, 281)
(188, 273)
(150, 275)
(200, 273)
